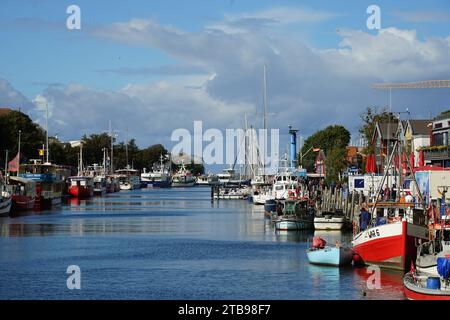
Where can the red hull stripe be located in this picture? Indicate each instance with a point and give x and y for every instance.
(413, 295)
(381, 249)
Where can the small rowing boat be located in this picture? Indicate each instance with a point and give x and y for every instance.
(336, 256)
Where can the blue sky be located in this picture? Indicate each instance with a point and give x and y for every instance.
(156, 65)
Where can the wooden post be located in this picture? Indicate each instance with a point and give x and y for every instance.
(346, 205)
(352, 206)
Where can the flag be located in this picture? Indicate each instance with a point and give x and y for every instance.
(421, 158)
(13, 165)
(412, 160)
(368, 160)
(41, 152)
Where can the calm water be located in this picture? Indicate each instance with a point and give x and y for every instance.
(169, 244)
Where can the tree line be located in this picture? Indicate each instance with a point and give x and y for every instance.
(33, 139)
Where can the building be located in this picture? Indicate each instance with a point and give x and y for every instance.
(417, 136)
(383, 139)
(438, 153)
(4, 111)
(354, 159)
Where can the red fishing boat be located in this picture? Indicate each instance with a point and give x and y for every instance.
(81, 187)
(390, 243)
(389, 232)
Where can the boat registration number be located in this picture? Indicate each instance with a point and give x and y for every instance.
(373, 233)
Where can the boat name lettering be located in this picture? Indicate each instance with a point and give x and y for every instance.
(373, 233)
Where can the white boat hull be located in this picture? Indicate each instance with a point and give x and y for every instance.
(5, 206)
(292, 224)
(331, 256)
(334, 223)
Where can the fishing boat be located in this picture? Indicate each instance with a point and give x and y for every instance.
(159, 177)
(23, 193)
(81, 186)
(49, 183)
(112, 184)
(387, 235)
(322, 254)
(129, 179)
(99, 185)
(422, 286)
(183, 178)
(329, 221)
(294, 215)
(390, 242)
(98, 174)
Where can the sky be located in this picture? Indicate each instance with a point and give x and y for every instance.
(154, 66)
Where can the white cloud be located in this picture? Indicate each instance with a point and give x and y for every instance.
(307, 87)
(10, 97)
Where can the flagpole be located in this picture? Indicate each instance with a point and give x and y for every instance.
(18, 153)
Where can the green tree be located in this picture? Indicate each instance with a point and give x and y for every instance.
(32, 136)
(333, 140)
(145, 158)
(369, 118)
(93, 148)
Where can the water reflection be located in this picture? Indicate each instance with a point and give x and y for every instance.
(293, 236)
(181, 230)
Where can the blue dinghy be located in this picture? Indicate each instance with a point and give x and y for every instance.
(327, 255)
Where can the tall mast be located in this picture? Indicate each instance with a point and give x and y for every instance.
(264, 125)
(104, 161)
(126, 147)
(80, 166)
(46, 131)
(111, 134)
(246, 171)
(6, 163)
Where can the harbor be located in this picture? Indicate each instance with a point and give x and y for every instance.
(225, 150)
(125, 241)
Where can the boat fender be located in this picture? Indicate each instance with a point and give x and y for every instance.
(318, 243)
(357, 261)
(443, 267)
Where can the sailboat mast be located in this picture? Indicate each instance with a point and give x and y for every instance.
(126, 148)
(264, 125)
(112, 148)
